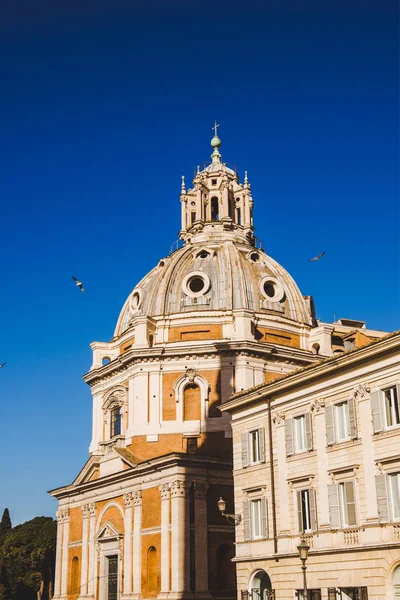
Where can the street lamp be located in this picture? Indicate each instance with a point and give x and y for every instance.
(234, 519)
(303, 549)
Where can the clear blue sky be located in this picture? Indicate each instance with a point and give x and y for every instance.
(104, 105)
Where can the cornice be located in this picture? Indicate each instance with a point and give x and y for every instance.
(388, 346)
(154, 465)
(207, 350)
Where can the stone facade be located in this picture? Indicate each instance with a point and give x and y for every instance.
(328, 470)
(215, 317)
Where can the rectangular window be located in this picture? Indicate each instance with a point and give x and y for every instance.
(313, 594)
(256, 519)
(391, 404)
(394, 486)
(255, 446)
(347, 504)
(355, 593)
(342, 421)
(304, 510)
(300, 433)
(115, 422)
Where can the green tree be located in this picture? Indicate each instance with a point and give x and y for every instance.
(27, 556)
(5, 524)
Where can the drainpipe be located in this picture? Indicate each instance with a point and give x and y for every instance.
(271, 467)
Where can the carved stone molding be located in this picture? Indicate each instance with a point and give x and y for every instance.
(63, 515)
(179, 489)
(278, 418)
(165, 491)
(137, 497)
(92, 509)
(128, 498)
(200, 489)
(318, 405)
(85, 511)
(191, 374)
(361, 391)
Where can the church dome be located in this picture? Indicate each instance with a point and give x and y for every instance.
(224, 276)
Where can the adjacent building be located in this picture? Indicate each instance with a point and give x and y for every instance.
(317, 457)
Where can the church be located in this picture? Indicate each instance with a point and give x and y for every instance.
(215, 317)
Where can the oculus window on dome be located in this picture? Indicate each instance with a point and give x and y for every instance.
(196, 284)
(271, 289)
(136, 300)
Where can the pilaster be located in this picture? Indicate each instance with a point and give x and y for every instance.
(128, 501)
(201, 539)
(180, 530)
(92, 550)
(165, 491)
(64, 554)
(85, 548)
(137, 544)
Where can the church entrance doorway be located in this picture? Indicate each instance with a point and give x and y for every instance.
(112, 578)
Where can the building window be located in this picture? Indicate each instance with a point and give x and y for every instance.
(342, 505)
(385, 408)
(255, 521)
(388, 496)
(341, 422)
(306, 509)
(253, 447)
(115, 421)
(355, 593)
(313, 594)
(394, 485)
(214, 209)
(298, 433)
(213, 182)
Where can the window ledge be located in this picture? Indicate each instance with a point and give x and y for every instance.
(301, 455)
(344, 444)
(387, 433)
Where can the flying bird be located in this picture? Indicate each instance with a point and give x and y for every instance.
(2, 365)
(317, 257)
(78, 283)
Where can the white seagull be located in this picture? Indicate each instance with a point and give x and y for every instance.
(78, 283)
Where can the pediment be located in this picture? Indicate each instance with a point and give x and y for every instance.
(107, 532)
(89, 471)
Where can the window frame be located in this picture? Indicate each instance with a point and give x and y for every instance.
(296, 420)
(390, 477)
(254, 442)
(344, 504)
(256, 502)
(346, 423)
(113, 411)
(300, 509)
(396, 403)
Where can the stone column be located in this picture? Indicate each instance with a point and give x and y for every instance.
(180, 538)
(165, 539)
(57, 582)
(92, 551)
(85, 541)
(201, 538)
(183, 215)
(137, 544)
(128, 498)
(64, 554)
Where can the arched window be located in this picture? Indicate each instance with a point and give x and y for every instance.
(260, 583)
(191, 403)
(225, 568)
(214, 209)
(115, 421)
(75, 587)
(152, 571)
(396, 583)
(315, 348)
(105, 360)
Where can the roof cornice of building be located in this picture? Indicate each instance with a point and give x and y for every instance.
(143, 468)
(324, 368)
(171, 351)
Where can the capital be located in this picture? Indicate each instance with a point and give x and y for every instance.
(165, 490)
(278, 418)
(85, 511)
(200, 489)
(128, 500)
(179, 489)
(92, 509)
(137, 497)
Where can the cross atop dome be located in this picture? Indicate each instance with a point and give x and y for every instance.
(216, 143)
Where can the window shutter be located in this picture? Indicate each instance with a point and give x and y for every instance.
(245, 449)
(264, 517)
(246, 521)
(376, 409)
(382, 497)
(299, 511)
(309, 431)
(330, 425)
(261, 441)
(352, 419)
(363, 593)
(333, 498)
(313, 510)
(351, 503)
(331, 593)
(289, 436)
